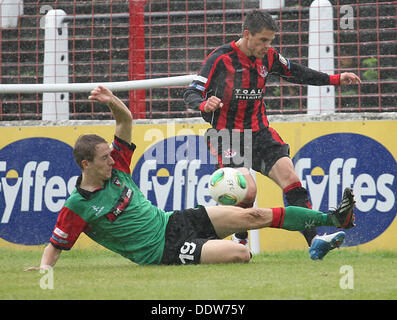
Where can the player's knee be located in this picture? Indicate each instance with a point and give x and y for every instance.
(241, 254)
(224, 251)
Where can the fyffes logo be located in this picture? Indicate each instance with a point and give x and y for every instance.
(36, 177)
(332, 162)
(174, 173)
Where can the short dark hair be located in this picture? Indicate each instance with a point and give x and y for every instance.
(256, 20)
(84, 148)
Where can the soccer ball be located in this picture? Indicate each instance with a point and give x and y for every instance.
(227, 186)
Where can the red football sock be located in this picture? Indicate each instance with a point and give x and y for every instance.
(278, 217)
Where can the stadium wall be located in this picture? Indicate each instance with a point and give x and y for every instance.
(171, 166)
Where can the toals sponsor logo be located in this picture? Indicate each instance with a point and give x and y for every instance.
(247, 94)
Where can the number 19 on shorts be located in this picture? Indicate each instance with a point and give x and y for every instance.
(187, 251)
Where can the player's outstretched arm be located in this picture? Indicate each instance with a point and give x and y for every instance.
(49, 258)
(120, 111)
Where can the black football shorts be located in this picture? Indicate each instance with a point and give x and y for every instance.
(185, 235)
(258, 150)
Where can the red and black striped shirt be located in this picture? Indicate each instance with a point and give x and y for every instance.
(239, 81)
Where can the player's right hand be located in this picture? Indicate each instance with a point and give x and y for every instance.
(212, 104)
(101, 94)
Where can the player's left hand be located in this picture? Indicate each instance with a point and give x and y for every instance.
(347, 78)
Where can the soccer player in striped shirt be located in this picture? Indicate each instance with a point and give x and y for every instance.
(229, 91)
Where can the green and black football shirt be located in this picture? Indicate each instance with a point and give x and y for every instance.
(117, 216)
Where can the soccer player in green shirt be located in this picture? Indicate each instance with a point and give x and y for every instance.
(108, 206)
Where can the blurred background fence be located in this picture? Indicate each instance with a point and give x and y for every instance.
(123, 40)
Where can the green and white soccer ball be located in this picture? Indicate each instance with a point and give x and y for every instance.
(227, 186)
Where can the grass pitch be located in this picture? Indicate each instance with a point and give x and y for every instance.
(92, 274)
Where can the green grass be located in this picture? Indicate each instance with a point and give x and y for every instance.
(99, 274)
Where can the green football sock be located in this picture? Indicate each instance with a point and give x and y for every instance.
(299, 218)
